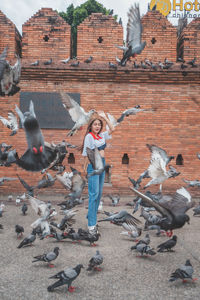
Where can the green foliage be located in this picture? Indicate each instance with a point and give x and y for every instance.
(75, 16)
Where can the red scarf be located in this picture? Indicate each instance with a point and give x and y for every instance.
(98, 137)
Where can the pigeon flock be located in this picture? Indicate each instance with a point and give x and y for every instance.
(161, 212)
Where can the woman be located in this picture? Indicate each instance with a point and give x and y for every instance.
(95, 138)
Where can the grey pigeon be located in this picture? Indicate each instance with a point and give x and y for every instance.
(47, 257)
(196, 211)
(115, 199)
(11, 123)
(4, 179)
(9, 75)
(132, 232)
(75, 64)
(38, 156)
(143, 249)
(172, 208)
(130, 111)
(46, 181)
(88, 236)
(67, 276)
(29, 189)
(112, 66)
(24, 209)
(122, 217)
(184, 272)
(19, 230)
(192, 182)
(134, 45)
(95, 261)
(77, 113)
(48, 62)
(28, 240)
(168, 245)
(95, 159)
(88, 60)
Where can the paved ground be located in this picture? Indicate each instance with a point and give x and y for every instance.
(124, 276)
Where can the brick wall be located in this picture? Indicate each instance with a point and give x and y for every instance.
(97, 36)
(160, 36)
(174, 124)
(190, 38)
(9, 37)
(46, 35)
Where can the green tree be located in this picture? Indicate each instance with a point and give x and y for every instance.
(75, 16)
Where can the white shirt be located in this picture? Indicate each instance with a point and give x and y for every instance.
(91, 143)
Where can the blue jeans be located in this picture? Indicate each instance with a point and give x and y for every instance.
(95, 189)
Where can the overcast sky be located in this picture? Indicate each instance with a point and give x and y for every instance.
(19, 11)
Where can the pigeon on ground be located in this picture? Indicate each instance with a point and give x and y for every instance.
(95, 261)
(75, 64)
(87, 236)
(168, 245)
(59, 236)
(143, 249)
(65, 222)
(132, 232)
(38, 156)
(196, 211)
(11, 123)
(95, 159)
(29, 189)
(172, 208)
(122, 217)
(77, 113)
(184, 272)
(112, 66)
(19, 230)
(9, 76)
(1, 226)
(28, 240)
(35, 63)
(67, 276)
(24, 209)
(192, 62)
(157, 168)
(134, 45)
(48, 62)
(88, 60)
(47, 257)
(115, 199)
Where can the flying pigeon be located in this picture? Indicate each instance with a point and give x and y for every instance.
(168, 245)
(130, 111)
(4, 179)
(67, 276)
(38, 156)
(47, 257)
(157, 168)
(196, 211)
(95, 159)
(122, 217)
(77, 113)
(19, 230)
(66, 221)
(184, 272)
(46, 181)
(29, 189)
(9, 75)
(11, 123)
(192, 182)
(24, 209)
(95, 261)
(172, 208)
(134, 45)
(132, 232)
(28, 240)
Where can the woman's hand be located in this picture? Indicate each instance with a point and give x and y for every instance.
(102, 114)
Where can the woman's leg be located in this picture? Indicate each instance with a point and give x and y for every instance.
(101, 183)
(93, 191)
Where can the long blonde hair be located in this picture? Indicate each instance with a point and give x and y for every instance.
(89, 129)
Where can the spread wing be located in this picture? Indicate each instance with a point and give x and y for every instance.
(3, 62)
(134, 27)
(91, 156)
(74, 109)
(179, 203)
(16, 70)
(162, 210)
(156, 168)
(40, 207)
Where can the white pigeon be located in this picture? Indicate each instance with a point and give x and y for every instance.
(77, 113)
